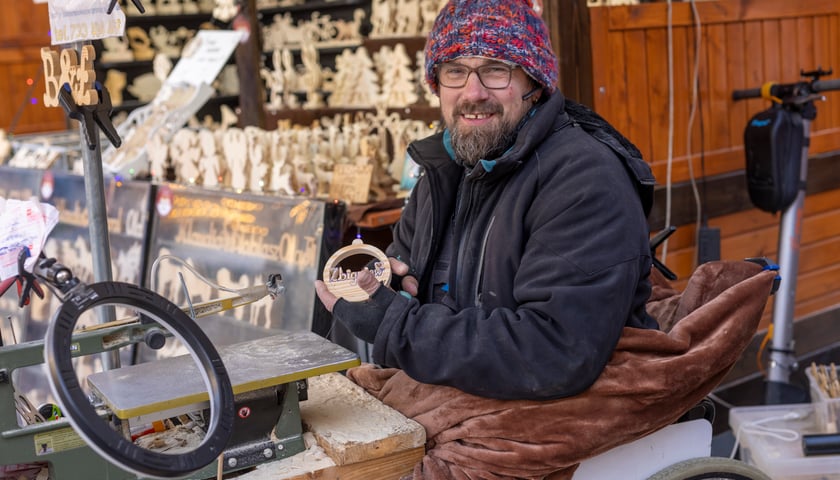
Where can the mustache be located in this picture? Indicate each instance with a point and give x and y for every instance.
(473, 108)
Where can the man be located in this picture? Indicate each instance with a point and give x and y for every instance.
(523, 250)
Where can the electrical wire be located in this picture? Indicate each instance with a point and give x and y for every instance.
(695, 87)
(720, 401)
(757, 427)
(156, 264)
(26, 98)
(670, 159)
(758, 356)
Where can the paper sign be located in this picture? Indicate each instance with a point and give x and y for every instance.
(204, 57)
(82, 20)
(27, 224)
(351, 183)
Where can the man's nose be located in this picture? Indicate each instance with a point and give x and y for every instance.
(474, 88)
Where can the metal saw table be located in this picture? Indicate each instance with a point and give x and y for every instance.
(267, 376)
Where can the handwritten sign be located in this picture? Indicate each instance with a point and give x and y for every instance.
(204, 57)
(351, 183)
(81, 20)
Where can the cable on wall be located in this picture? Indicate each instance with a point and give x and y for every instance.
(670, 159)
(695, 87)
(695, 82)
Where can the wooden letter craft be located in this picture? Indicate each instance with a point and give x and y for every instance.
(65, 68)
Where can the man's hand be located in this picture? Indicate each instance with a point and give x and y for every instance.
(409, 283)
(368, 282)
(362, 319)
(364, 279)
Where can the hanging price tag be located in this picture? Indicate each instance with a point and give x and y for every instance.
(82, 20)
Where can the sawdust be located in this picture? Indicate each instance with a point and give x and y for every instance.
(182, 438)
(309, 461)
(342, 411)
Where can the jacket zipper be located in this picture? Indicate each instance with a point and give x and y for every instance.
(480, 267)
(460, 229)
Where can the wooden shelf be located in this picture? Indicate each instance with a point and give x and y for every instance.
(177, 19)
(308, 6)
(379, 219)
(299, 116)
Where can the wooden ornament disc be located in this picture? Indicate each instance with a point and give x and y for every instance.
(342, 283)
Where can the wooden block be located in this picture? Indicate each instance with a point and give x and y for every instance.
(392, 467)
(352, 426)
(350, 435)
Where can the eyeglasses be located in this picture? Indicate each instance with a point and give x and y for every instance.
(494, 76)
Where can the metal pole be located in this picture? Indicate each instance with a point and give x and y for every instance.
(98, 230)
(782, 359)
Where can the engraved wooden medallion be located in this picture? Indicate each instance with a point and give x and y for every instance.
(342, 281)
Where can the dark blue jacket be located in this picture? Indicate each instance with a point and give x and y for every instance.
(551, 261)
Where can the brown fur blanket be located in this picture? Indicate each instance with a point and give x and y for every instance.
(651, 380)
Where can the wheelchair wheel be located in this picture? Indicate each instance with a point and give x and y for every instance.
(710, 468)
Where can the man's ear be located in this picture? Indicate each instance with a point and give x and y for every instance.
(534, 94)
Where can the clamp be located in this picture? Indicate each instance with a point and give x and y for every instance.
(654, 243)
(90, 115)
(26, 282)
(135, 2)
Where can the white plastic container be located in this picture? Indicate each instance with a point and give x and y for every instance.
(771, 439)
(826, 408)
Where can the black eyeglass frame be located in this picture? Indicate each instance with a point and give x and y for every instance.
(477, 70)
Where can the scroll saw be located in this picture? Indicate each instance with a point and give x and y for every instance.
(242, 400)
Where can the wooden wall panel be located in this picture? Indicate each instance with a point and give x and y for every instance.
(657, 76)
(23, 31)
(743, 44)
(753, 233)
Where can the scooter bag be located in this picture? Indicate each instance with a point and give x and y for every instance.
(773, 142)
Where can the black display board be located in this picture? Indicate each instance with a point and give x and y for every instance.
(128, 207)
(19, 183)
(236, 240)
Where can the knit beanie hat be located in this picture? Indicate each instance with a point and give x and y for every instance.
(508, 30)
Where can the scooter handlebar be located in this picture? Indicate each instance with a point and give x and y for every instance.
(748, 93)
(826, 85)
(784, 89)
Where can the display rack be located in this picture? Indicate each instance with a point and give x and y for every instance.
(137, 75)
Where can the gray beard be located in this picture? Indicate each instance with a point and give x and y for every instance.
(483, 143)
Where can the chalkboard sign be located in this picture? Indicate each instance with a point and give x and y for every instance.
(235, 241)
(128, 207)
(19, 183)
